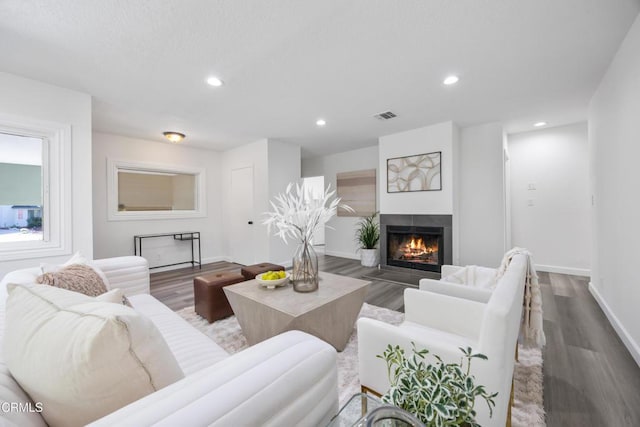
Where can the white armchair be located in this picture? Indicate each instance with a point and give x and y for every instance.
(454, 289)
(442, 324)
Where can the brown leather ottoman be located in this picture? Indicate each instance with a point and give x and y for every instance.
(210, 300)
(251, 271)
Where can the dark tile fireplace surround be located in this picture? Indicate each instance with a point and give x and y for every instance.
(415, 242)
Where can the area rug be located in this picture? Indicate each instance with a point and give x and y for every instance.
(528, 406)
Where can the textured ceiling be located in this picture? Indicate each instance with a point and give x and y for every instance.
(285, 63)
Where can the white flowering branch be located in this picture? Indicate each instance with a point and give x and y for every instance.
(298, 216)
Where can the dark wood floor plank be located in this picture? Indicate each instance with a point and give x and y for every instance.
(590, 379)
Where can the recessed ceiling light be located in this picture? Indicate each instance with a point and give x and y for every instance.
(214, 81)
(174, 136)
(540, 124)
(451, 80)
(321, 122)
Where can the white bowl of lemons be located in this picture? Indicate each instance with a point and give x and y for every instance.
(273, 279)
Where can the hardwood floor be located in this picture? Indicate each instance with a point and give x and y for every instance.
(590, 379)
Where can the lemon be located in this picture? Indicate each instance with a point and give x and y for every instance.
(270, 275)
(274, 275)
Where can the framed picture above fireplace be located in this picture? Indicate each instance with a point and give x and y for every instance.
(420, 172)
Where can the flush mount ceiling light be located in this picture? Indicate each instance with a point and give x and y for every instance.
(321, 122)
(174, 136)
(451, 80)
(214, 81)
(540, 124)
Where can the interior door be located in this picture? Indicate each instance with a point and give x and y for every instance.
(242, 218)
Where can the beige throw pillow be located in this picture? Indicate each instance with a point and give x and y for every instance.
(75, 277)
(82, 359)
(77, 258)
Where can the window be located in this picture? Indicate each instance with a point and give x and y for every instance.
(156, 191)
(35, 188)
(20, 188)
(152, 191)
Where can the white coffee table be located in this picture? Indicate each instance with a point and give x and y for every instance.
(329, 313)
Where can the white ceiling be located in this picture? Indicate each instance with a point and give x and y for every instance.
(288, 62)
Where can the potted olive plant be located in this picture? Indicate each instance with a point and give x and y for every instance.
(438, 394)
(368, 236)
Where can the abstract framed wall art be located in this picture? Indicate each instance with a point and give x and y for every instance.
(420, 172)
(358, 190)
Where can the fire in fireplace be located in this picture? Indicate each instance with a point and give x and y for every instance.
(415, 247)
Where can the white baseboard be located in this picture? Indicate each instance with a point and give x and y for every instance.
(214, 259)
(564, 270)
(186, 264)
(629, 342)
(342, 254)
(285, 264)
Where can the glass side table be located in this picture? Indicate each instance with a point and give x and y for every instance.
(353, 412)
(364, 410)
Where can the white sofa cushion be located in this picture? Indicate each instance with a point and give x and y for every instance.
(99, 356)
(192, 349)
(288, 380)
(115, 296)
(473, 275)
(11, 392)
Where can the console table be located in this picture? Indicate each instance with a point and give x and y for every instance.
(191, 236)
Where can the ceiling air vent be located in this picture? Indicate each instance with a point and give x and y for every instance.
(386, 115)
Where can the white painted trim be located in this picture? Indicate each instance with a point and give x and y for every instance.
(113, 165)
(629, 342)
(564, 270)
(213, 259)
(342, 254)
(56, 203)
(177, 267)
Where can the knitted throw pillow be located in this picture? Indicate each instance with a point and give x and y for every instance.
(75, 277)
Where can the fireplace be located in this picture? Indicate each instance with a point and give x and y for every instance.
(415, 247)
(417, 242)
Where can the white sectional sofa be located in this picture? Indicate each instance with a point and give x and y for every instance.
(290, 379)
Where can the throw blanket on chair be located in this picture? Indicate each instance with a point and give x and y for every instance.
(473, 275)
(532, 321)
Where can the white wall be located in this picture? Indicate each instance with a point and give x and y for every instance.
(455, 219)
(274, 164)
(481, 219)
(507, 192)
(614, 150)
(284, 168)
(35, 100)
(340, 241)
(315, 186)
(115, 238)
(552, 220)
(438, 137)
(254, 155)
